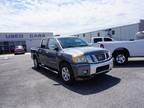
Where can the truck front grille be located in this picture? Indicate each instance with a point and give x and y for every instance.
(100, 57)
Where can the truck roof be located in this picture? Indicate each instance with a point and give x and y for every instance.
(57, 37)
(66, 37)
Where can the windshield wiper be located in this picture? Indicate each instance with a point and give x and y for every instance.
(83, 45)
(70, 46)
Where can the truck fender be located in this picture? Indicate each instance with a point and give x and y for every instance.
(123, 50)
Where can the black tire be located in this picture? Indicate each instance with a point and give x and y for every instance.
(66, 74)
(120, 58)
(36, 64)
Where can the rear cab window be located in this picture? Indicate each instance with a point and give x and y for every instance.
(44, 43)
(107, 39)
(97, 40)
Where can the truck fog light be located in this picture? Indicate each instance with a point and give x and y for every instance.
(111, 66)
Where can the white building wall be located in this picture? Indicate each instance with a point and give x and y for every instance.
(88, 36)
(128, 32)
(120, 33)
(117, 35)
(94, 34)
(31, 43)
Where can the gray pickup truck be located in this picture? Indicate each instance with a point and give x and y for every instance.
(72, 58)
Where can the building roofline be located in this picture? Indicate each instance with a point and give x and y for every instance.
(22, 32)
(108, 28)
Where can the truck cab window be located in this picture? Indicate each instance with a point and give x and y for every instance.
(107, 39)
(97, 40)
(52, 44)
(44, 43)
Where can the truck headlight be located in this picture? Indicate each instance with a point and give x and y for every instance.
(84, 59)
(79, 59)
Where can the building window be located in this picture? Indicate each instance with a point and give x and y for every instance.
(9, 46)
(98, 34)
(83, 35)
(113, 32)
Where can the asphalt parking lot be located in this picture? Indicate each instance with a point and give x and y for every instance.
(23, 87)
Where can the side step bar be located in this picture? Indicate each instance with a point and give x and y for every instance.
(49, 69)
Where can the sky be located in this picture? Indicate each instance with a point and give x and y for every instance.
(68, 16)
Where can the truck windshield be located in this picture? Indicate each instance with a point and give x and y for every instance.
(68, 42)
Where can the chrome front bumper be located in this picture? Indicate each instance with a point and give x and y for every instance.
(87, 70)
(94, 67)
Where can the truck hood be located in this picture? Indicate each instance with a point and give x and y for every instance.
(78, 51)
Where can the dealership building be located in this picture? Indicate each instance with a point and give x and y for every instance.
(126, 32)
(8, 41)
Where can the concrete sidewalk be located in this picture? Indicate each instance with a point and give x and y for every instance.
(7, 56)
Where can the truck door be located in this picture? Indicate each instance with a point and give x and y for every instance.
(51, 56)
(138, 48)
(41, 51)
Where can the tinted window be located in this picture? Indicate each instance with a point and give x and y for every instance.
(72, 42)
(44, 43)
(52, 44)
(97, 40)
(107, 39)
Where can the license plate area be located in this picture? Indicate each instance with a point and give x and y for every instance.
(102, 68)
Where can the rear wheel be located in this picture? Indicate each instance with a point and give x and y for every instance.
(120, 58)
(66, 73)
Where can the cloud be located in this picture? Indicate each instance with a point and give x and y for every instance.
(67, 16)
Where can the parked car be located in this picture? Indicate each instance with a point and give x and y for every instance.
(19, 50)
(121, 50)
(71, 58)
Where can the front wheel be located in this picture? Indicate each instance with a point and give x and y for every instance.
(66, 73)
(120, 58)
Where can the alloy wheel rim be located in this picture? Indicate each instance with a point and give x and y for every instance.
(120, 59)
(65, 74)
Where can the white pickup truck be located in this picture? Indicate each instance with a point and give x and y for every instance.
(121, 50)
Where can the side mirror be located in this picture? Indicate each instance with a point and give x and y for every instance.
(43, 46)
(56, 49)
